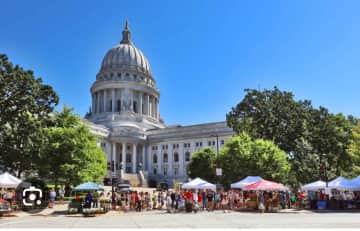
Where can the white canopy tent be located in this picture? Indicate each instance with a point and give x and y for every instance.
(314, 186)
(8, 181)
(198, 183)
(246, 181)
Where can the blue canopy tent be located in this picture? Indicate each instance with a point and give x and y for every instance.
(246, 181)
(88, 186)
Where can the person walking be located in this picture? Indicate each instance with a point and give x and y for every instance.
(210, 197)
(172, 197)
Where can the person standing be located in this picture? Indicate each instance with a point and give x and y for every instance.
(203, 194)
(95, 199)
(52, 197)
(88, 200)
(209, 197)
(172, 196)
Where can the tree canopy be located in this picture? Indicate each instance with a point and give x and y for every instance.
(70, 154)
(308, 135)
(243, 156)
(25, 107)
(203, 164)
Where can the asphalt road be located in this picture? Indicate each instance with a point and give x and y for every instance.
(161, 219)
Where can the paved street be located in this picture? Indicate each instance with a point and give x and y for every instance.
(160, 219)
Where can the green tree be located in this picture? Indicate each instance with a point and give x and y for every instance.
(243, 157)
(271, 115)
(25, 106)
(330, 137)
(70, 154)
(203, 165)
(354, 151)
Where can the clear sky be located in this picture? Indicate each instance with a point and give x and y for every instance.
(202, 53)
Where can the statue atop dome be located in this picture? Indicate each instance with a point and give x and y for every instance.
(126, 34)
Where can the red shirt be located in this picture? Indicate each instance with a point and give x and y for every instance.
(199, 197)
(188, 195)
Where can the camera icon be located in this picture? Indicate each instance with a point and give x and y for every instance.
(32, 196)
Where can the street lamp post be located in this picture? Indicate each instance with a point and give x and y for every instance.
(218, 170)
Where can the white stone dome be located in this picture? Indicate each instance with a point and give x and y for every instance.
(125, 56)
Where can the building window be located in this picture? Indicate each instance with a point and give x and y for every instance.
(154, 158)
(128, 158)
(118, 103)
(165, 160)
(209, 143)
(187, 156)
(176, 157)
(135, 106)
(197, 144)
(176, 171)
(213, 143)
(119, 74)
(174, 146)
(177, 145)
(165, 171)
(155, 171)
(222, 142)
(200, 144)
(185, 144)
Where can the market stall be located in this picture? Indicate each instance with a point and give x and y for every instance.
(269, 190)
(198, 183)
(9, 181)
(246, 181)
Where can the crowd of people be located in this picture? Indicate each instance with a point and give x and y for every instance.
(191, 200)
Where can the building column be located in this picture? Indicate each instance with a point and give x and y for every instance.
(140, 104)
(134, 159)
(98, 102)
(170, 161)
(181, 159)
(123, 155)
(114, 157)
(113, 100)
(143, 157)
(148, 105)
(92, 104)
(105, 100)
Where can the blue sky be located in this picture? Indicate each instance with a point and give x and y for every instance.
(202, 53)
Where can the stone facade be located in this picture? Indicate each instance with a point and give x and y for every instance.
(125, 115)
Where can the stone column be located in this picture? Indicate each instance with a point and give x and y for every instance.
(92, 104)
(98, 102)
(160, 162)
(114, 156)
(148, 105)
(134, 159)
(104, 100)
(143, 157)
(113, 100)
(140, 104)
(123, 155)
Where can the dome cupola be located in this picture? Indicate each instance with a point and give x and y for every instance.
(125, 56)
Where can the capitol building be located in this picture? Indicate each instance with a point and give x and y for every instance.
(125, 115)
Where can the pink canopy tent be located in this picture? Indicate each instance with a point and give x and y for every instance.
(266, 185)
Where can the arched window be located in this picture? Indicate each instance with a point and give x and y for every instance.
(187, 156)
(154, 158)
(155, 171)
(176, 157)
(165, 158)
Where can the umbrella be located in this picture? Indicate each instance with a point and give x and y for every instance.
(314, 186)
(246, 181)
(266, 185)
(88, 186)
(8, 181)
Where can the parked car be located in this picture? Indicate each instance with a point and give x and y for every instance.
(162, 186)
(124, 187)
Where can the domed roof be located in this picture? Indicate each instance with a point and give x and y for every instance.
(126, 56)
